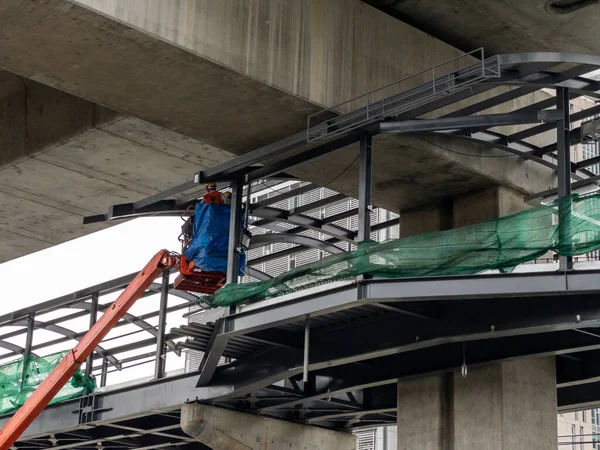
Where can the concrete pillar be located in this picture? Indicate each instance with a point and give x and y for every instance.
(437, 217)
(486, 205)
(507, 406)
(222, 429)
(456, 212)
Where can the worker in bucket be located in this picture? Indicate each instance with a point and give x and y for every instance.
(212, 195)
(227, 198)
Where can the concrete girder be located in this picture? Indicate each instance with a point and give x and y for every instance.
(184, 68)
(221, 429)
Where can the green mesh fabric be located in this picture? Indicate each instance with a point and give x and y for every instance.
(20, 378)
(498, 244)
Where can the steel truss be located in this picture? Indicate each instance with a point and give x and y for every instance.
(332, 356)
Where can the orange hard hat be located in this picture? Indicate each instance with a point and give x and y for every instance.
(211, 186)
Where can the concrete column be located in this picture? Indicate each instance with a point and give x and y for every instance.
(507, 406)
(221, 429)
(437, 217)
(486, 205)
(460, 211)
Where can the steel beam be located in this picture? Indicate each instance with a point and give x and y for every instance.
(522, 91)
(563, 143)
(284, 195)
(233, 253)
(588, 162)
(214, 352)
(300, 158)
(261, 315)
(126, 403)
(303, 221)
(417, 358)
(347, 414)
(255, 273)
(258, 156)
(456, 123)
(300, 210)
(365, 188)
(533, 131)
(304, 241)
(66, 300)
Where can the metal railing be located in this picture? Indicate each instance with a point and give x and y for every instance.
(55, 325)
(403, 94)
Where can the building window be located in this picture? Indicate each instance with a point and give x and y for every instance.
(576, 415)
(580, 438)
(292, 262)
(583, 416)
(573, 437)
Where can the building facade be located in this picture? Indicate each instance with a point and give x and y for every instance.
(579, 430)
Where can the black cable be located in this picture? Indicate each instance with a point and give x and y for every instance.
(343, 171)
(464, 154)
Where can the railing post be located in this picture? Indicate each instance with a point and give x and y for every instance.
(161, 354)
(563, 142)
(28, 345)
(104, 373)
(29, 337)
(89, 364)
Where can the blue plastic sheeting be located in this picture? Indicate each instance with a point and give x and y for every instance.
(210, 244)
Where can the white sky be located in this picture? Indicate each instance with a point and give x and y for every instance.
(86, 261)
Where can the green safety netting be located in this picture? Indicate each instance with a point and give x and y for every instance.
(497, 244)
(18, 380)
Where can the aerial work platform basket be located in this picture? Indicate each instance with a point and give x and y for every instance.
(193, 279)
(205, 245)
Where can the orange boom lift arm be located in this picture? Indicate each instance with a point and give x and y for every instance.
(46, 391)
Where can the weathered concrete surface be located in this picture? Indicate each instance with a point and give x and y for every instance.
(502, 26)
(222, 429)
(230, 75)
(507, 406)
(64, 158)
(461, 211)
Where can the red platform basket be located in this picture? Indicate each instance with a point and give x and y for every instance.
(192, 279)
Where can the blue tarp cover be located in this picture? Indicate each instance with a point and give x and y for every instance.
(209, 246)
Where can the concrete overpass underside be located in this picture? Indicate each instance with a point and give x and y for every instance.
(504, 26)
(126, 100)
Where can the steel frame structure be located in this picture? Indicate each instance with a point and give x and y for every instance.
(331, 356)
(524, 73)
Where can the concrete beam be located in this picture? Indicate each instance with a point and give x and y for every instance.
(62, 158)
(503, 26)
(463, 210)
(222, 429)
(208, 80)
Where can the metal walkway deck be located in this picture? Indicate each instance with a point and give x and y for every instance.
(364, 336)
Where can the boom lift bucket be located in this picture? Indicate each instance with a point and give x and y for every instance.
(192, 279)
(205, 249)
